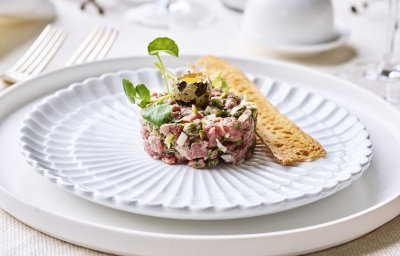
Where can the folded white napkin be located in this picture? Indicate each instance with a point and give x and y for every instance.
(26, 9)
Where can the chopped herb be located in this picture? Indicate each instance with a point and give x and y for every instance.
(157, 114)
(236, 125)
(171, 151)
(202, 134)
(239, 143)
(209, 151)
(211, 163)
(169, 139)
(194, 109)
(156, 132)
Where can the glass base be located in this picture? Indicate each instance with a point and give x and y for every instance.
(383, 79)
(176, 14)
(372, 75)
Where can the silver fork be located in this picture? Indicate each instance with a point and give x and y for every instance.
(95, 46)
(37, 56)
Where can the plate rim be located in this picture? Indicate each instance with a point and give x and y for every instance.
(235, 236)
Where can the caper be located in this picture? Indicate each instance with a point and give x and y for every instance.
(191, 129)
(217, 102)
(238, 113)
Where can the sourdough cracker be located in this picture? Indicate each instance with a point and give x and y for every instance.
(287, 142)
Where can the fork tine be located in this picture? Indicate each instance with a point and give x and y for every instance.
(75, 56)
(92, 42)
(44, 56)
(33, 48)
(57, 44)
(38, 51)
(95, 46)
(101, 49)
(37, 56)
(107, 46)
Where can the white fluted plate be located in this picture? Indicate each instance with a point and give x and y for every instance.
(86, 139)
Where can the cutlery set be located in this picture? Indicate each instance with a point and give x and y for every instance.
(38, 56)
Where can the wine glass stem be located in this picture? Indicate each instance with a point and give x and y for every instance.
(389, 56)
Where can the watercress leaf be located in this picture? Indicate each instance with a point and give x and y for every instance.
(129, 90)
(157, 114)
(143, 103)
(163, 44)
(143, 92)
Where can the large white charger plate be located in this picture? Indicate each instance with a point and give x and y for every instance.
(87, 139)
(365, 205)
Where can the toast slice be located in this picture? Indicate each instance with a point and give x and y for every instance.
(287, 142)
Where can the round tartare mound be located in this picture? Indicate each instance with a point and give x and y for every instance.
(224, 128)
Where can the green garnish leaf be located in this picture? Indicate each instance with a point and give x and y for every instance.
(157, 114)
(163, 44)
(139, 94)
(143, 92)
(143, 104)
(224, 86)
(166, 45)
(217, 78)
(129, 90)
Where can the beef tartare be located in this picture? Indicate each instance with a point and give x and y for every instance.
(200, 137)
(196, 121)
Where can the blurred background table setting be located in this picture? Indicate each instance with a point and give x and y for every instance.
(355, 40)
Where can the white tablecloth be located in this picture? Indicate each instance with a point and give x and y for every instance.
(222, 38)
